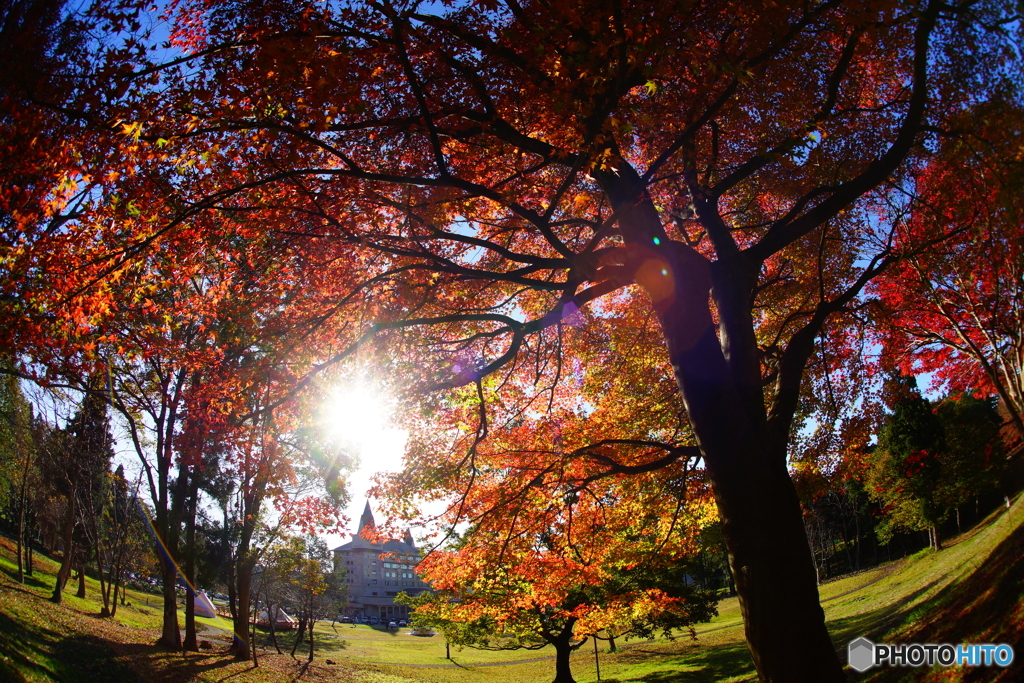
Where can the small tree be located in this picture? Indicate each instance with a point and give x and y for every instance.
(931, 460)
(313, 590)
(124, 543)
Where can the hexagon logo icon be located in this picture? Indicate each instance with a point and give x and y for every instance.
(861, 654)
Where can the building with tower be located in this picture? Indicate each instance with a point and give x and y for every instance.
(373, 581)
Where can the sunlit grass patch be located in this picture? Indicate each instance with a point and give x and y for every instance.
(972, 591)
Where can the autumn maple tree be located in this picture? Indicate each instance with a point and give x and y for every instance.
(610, 561)
(670, 208)
(188, 343)
(957, 309)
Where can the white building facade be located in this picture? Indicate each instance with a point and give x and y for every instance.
(373, 581)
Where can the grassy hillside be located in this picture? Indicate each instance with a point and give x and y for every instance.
(972, 591)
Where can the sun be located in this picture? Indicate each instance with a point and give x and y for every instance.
(355, 414)
(359, 417)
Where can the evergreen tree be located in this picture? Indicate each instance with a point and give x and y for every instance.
(975, 456)
(75, 465)
(17, 461)
(907, 472)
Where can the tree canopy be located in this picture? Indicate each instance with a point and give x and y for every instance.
(625, 236)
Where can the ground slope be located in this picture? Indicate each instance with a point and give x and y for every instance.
(972, 591)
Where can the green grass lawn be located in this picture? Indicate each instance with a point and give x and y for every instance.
(972, 591)
(42, 644)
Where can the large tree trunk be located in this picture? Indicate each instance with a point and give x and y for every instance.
(762, 523)
(167, 547)
(21, 515)
(169, 524)
(561, 640)
(81, 576)
(243, 576)
(245, 562)
(312, 623)
(170, 634)
(191, 641)
(563, 670)
(272, 623)
(302, 632)
(232, 590)
(98, 548)
(116, 566)
(718, 371)
(115, 592)
(191, 637)
(252, 633)
(69, 551)
(775, 578)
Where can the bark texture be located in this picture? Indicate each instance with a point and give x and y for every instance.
(717, 368)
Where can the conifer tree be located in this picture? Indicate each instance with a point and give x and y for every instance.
(76, 463)
(907, 471)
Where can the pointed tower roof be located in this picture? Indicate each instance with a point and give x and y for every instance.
(407, 546)
(366, 520)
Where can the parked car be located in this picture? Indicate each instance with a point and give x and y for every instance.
(345, 620)
(402, 623)
(392, 625)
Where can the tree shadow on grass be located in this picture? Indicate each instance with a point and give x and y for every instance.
(167, 666)
(700, 664)
(387, 631)
(285, 640)
(89, 659)
(41, 653)
(333, 643)
(24, 650)
(32, 581)
(985, 606)
(696, 664)
(875, 624)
